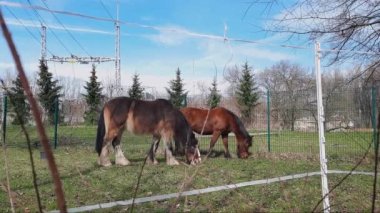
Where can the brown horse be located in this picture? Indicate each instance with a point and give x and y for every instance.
(220, 122)
(158, 118)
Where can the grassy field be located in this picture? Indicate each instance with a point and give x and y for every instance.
(85, 183)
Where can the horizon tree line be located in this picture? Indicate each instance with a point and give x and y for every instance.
(283, 79)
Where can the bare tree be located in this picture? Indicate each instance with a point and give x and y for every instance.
(288, 85)
(110, 88)
(71, 87)
(335, 98)
(349, 27)
(231, 75)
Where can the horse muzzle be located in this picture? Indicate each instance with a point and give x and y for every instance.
(196, 158)
(244, 155)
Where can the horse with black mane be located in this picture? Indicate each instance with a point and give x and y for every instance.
(158, 118)
(219, 122)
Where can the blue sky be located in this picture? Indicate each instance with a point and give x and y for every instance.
(176, 38)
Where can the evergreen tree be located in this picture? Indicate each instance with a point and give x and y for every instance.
(48, 90)
(177, 94)
(19, 104)
(214, 97)
(247, 94)
(93, 98)
(136, 90)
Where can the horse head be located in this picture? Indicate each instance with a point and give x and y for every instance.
(185, 140)
(193, 156)
(243, 147)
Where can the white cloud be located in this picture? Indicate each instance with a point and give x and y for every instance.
(5, 66)
(35, 24)
(175, 35)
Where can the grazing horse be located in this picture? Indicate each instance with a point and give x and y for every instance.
(216, 122)
(158, 118)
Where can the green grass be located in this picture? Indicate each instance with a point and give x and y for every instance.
(85, 183)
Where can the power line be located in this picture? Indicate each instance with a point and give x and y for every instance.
(27, 29)
(189, 33)
(71, 35)
(42, 22)
(106, 9)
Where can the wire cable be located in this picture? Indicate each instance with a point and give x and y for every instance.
(71, 35)
(106, 9)
(42, 22)
(26, 28)
(185, 32)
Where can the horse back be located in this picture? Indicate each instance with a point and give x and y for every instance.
(151, 117)
(217, 119)
(117, 109)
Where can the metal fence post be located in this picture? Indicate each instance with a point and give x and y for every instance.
(321, 130)
(268, 120)
(56, 114)
(374, 112)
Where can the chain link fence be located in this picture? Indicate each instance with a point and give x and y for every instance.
(284, 122)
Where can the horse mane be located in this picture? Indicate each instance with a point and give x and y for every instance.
(239, 123)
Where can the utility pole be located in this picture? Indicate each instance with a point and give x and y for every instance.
(87, 60)
(43, 43)
(70, 59)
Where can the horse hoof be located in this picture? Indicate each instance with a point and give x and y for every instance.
(172, 162)
(153, 162)
(105, 164)
(195, 162)
(227, 155)
(123, 163)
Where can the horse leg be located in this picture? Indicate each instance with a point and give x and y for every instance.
(214, 139)
(119, 155)
(153, 149)
(225, 143)
(104, 159)
(170, 159)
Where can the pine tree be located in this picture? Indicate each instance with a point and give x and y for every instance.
(247, 94)
(93, 98)
(136, 90)
(48, 90)
(19, 104)
(214, 97)
(177, 94)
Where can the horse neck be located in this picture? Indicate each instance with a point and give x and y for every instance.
(240, 136)
(239, 131)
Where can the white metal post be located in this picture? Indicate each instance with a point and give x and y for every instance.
(321, 131)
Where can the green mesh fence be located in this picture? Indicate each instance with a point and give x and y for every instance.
(291, 127)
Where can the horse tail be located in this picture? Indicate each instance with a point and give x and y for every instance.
(100, 133)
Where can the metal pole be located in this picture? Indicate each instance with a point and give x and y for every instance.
(43, 43)
(268, 118)
(56, 114)
(321, 131)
